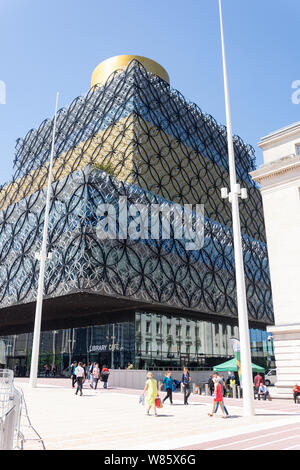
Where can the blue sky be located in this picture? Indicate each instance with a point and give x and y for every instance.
(54, 45)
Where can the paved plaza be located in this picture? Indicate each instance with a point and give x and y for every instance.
(112, 419)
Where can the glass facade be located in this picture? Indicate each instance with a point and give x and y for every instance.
(148, 340)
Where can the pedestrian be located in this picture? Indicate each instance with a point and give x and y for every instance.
(221, 380)
(223, 383)
(80, 377)
(218, 399)
(211, 385)
(54, 370)
(296, 392)
(152, 393)
(85, 369)
(230, 383)
(104, 376)
(258, 380)
(168, 384)
(185, 380)
(262, 392)
(90, 373)
(47, 370)
(95, 376)
(90, 370)
(73, 376)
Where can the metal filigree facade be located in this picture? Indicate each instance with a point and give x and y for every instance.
(138, 138)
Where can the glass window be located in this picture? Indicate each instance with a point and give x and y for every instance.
(298, 149)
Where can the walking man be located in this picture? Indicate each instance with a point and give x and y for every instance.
(186, 379)
(211, 385)
(73, 376)
(79, 373)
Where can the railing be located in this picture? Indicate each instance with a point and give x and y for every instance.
(10, 412)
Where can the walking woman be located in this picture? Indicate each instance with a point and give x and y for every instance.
(186, 379)
(168, 384)
(152, 393)
(218, 399)
(95, 376)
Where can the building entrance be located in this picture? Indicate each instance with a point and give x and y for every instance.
(18, 365)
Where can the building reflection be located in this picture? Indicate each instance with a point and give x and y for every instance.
(147, 340)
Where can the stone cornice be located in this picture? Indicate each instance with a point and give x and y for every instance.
(284, 328)
(277, 168)
(280, 135)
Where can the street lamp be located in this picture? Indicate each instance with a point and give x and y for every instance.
(54, 332)
(233, 196)
(113, 337)
(42, 256)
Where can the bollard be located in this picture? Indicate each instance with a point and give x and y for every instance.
(206, 390)
(234, 391)
(239, 391)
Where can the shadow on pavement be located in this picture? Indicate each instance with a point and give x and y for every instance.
(277, 414)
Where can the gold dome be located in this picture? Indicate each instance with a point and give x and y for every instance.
(108, 66)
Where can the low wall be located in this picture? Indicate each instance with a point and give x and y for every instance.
(136, 378)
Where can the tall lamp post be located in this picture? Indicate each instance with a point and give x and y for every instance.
(233, 196)
(42, 258)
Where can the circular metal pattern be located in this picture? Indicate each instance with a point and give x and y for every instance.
(150, 145)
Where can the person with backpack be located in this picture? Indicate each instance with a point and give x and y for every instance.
(104, 376)
(168, 385)
(73, 376)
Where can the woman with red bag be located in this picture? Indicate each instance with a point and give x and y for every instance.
(218, 399)
(152, 393)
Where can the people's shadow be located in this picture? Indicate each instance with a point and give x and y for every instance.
(190, 404)
(165, 416)
(278, 414)
(233, 416)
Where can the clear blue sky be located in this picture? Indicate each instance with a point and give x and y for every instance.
(54, 45)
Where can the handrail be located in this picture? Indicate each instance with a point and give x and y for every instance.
(10, 411)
